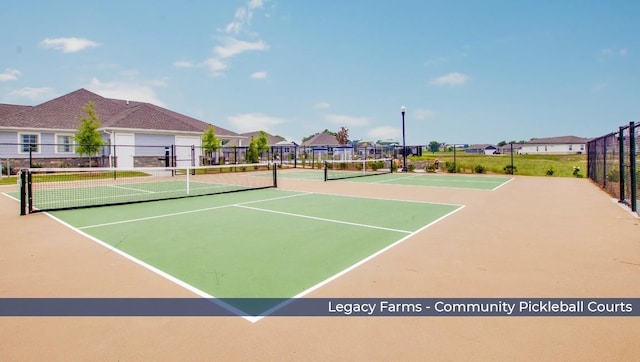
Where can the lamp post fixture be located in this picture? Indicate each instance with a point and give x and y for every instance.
(404, 146)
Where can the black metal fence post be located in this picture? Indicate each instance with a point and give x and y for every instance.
(621, 163)
(632, 167)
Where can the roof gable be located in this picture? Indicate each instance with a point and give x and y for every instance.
(322, 139)
(65, 111)
(62, 112)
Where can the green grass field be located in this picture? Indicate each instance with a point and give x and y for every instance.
(526, 165)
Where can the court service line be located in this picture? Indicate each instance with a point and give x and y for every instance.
(394, 179)
(187, 212)
(131, 189)
(352, 267)
(324, 219)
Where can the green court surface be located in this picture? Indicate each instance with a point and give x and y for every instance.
(436, 180)
(410, 179)
(265, 243)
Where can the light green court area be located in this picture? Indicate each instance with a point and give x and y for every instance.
(436, 180)
(264, 243)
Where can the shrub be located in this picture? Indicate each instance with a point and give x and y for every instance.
(343, 165)
(576, 171)
(411, 167)
(510, 169)
(430, 168)
(550, 171)
(613, 176)
(450, 166)
(479, 169)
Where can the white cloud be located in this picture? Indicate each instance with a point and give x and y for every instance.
(34, 94)
(68, 45)
(250, 122)
(253, 4)
(421, 114)
(9, 74)
(183, 64)
(451, 79)
(243, 16)
(608, 53)
(321, 105)
(347, 121)
(215, 66)
(383, 133)
(232, 47)
(133, 91)
(259, 75)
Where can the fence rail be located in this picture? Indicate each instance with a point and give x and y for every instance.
(612, 163)
(15, 156)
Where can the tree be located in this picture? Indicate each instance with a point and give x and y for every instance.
(210, 143)
(502, 143)
(252, 151)
(342, 136)
(87, 137)
(434, 146)
(262, 143)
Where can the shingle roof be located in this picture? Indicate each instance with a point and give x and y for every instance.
(558, 140)
(63, 113)
(321, 139)
(7, 110)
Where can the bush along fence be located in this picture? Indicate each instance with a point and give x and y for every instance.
(612, 163)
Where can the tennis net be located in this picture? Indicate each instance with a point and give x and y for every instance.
(48, 189)
(342, 169)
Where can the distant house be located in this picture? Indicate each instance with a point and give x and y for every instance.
(485, 149)
(555, 145)
(322, 144)
(135, 133)
(506, 149)
(279, 147)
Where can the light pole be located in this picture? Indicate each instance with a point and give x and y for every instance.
(404, 146)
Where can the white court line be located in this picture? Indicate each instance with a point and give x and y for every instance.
(324, 219)
(131, 189)
(186, 212)
(352, 267)
(252, 319)
(506, 182)
(159, 272)
(394, 179)
(379, 198)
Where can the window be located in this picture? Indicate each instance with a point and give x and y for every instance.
(64, 143)
(570, 147)
(29, 142)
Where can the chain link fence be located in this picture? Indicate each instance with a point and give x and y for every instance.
(612, 163)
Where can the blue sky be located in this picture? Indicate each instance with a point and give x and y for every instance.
(467, 71)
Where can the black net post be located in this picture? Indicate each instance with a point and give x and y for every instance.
(275, 175)
(326, 171)
(511, 147)
(23, 192)
(633, 171)
(30, 191)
